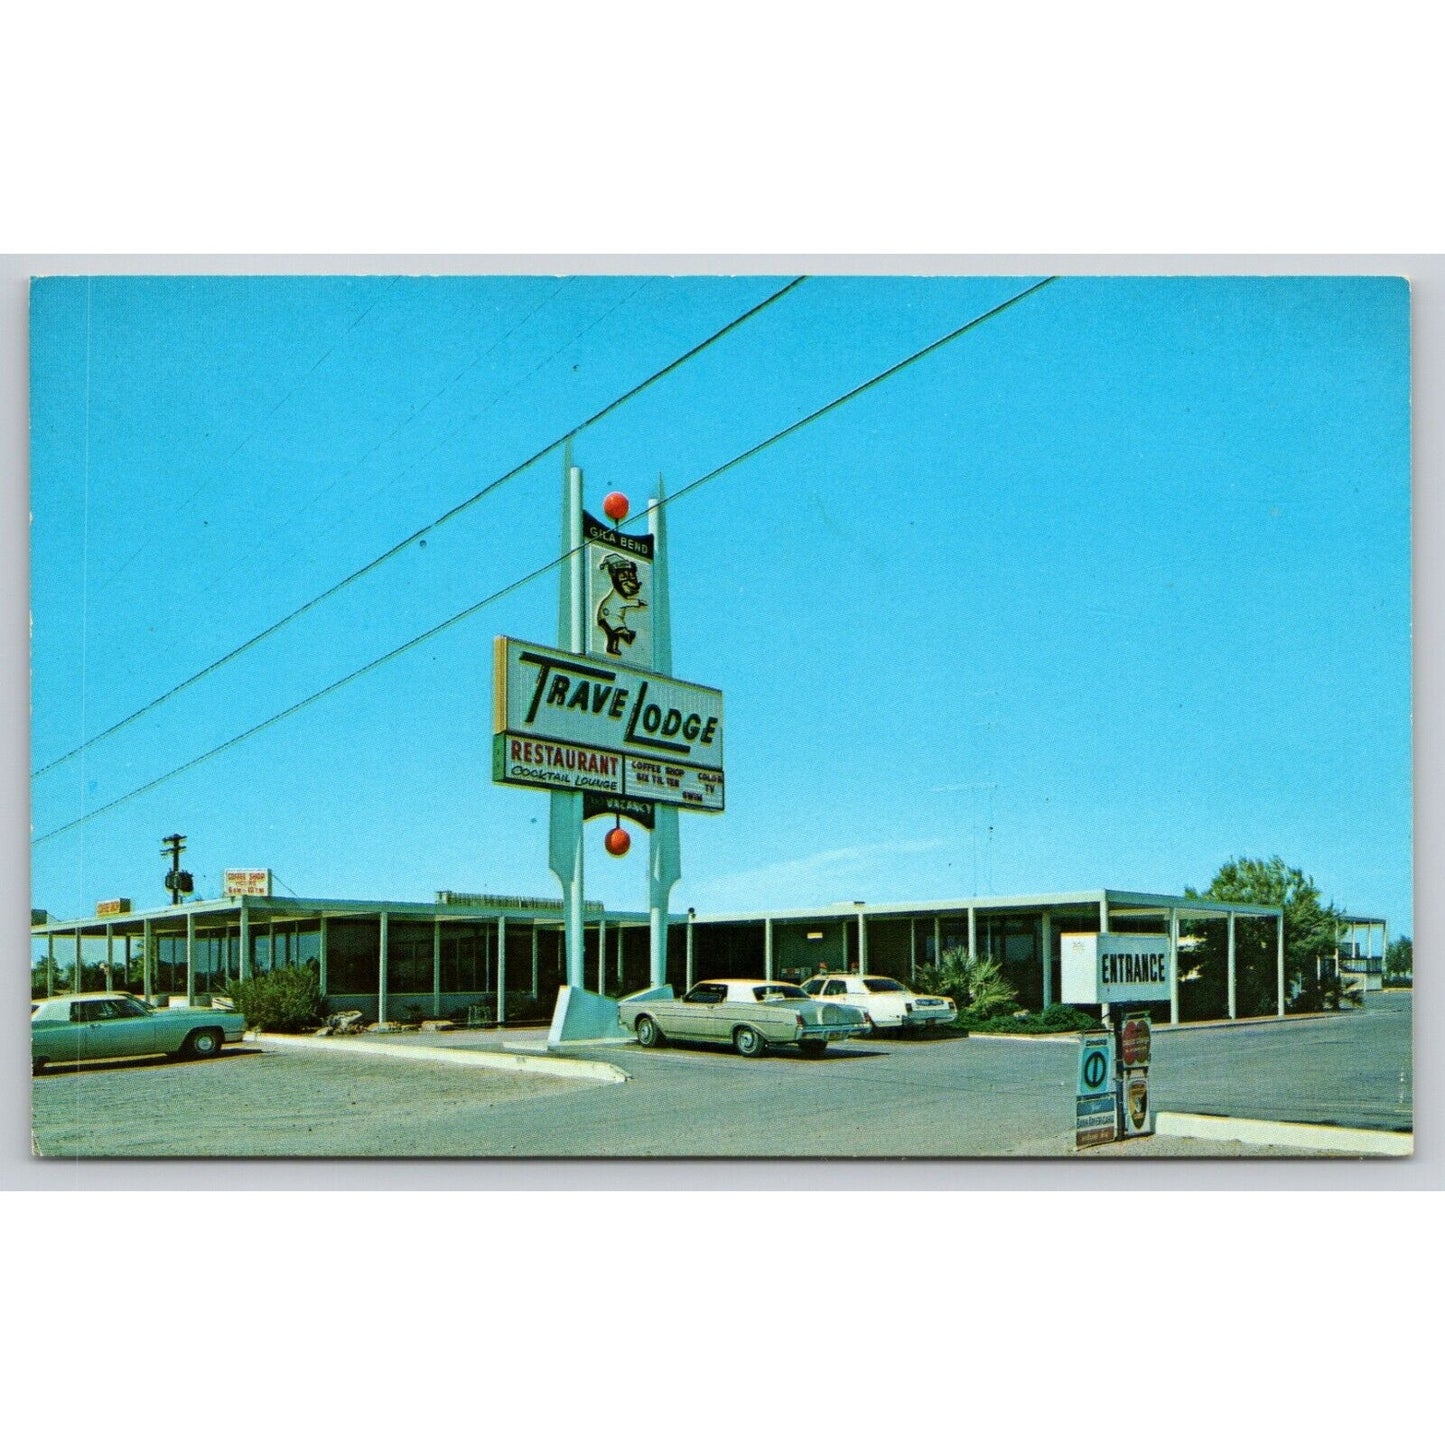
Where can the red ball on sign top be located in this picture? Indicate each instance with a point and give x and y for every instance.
(618, 841)
(616, 506)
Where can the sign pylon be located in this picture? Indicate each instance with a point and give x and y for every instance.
(664, 854)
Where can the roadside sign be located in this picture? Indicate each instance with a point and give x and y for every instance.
(1136, 1104)
(600, 805)
(619, 592)
(1095, 1120)
(1096, 1065)
(251, 882)
(590, 725)
(111, 906)
(1134, 1042)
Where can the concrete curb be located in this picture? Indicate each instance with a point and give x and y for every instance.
(516, 1063)
(1329, 1138)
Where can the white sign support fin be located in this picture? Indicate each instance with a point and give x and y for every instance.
(664, 844)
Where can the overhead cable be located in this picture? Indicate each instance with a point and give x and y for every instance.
(546, 567)
(421, 532)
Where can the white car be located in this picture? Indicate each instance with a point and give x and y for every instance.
(888, 1003)
(752, 1014)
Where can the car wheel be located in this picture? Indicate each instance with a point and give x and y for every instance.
(748, 1041)
(812, 1048)
(648, 1033)
(203, 1044)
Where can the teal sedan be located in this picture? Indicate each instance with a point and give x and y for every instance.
(80, 1027)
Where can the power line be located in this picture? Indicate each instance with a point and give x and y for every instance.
(546, 567)
(457, 431)
(395, 432)
(256, 430)
(431, 526)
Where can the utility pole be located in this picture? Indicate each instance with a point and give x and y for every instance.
(176, 880)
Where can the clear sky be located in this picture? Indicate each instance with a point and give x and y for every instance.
(1108, 590)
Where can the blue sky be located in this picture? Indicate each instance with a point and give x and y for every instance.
(1108, 590)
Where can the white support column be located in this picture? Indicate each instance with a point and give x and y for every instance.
(689, 948)
(1046, 939)
(768, 948)
(620, 960)
(50, 964)
(912, 949)
(972, 931)
(937, 941)
(436, 966)
(381, 978)
(534, 958)
(76, 986)
(1103, 913)
(501, 969)
(1279, 964)
(244, 969)
(109, 955)
(602, 954)
(127, 962)
(147, 953)
(862, 942)
(321, 961)
(190, 959)
(1233, 1003)
(1173, 965)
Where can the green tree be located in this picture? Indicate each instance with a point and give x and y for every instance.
(1400, 961)
(1311, 933)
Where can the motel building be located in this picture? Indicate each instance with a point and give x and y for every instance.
(482, 958)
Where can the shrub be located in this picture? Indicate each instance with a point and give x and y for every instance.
(975, 982)
(1058, 1018)
(283, 1001)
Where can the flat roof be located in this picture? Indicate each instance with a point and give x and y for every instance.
(273, 909)
(1117, 900)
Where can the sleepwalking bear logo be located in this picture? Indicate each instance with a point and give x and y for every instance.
(623, 597)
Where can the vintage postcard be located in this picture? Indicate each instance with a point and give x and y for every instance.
(845, 716)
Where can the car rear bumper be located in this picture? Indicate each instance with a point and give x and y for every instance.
(832, 1033)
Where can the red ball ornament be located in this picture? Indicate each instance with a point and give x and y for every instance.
(616, 506)
(618, 841)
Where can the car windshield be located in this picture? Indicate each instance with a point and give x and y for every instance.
(813, 985)
(777, 990)
(884, 985)
(130, 1007)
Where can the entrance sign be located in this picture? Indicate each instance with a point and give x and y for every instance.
(619, 592)
(562, 721)
(1114, 967)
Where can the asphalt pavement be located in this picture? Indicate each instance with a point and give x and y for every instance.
(938, 1096)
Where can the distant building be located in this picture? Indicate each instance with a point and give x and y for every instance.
(502, 958)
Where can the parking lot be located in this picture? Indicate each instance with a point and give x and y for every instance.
(931, 1097)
